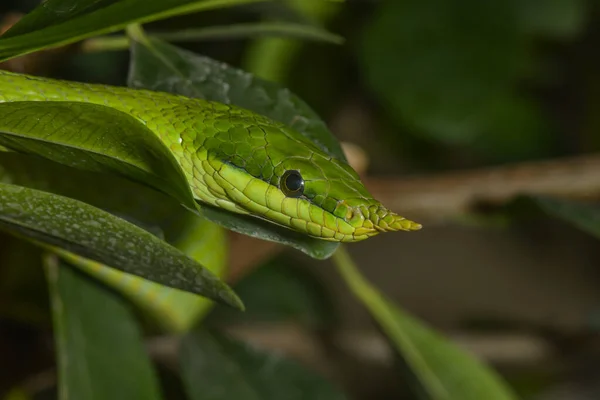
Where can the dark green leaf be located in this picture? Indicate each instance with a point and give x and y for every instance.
(172, 309)
(215, 368)
(54, 12)
(139, 204)
(226, 32)
(95, 138)
(442, 371)
(76, 227)
(60, 22)
(160, 66)
(254, 227)
(235, 31)
(100, 352)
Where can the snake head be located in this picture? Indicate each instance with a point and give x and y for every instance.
(278, 175)
(257, 166)
(331, 201)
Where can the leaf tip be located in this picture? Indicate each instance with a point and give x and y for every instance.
(231, 299)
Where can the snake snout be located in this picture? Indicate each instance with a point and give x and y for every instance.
(392, 222)
(377, 219)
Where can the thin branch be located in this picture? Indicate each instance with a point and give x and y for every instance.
(226, 32)
(453, 194)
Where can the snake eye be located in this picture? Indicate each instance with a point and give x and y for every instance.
(292, 184)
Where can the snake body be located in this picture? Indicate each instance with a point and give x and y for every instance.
(238, 160)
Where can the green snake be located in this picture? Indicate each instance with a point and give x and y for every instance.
(238, 160)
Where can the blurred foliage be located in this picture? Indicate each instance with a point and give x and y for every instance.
(454, 71)
(206, 360)
(301, 298)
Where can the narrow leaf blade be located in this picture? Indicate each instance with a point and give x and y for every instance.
(60, 22)
(96, 138)
(172, 309)
(442, 370)
(70, 226)
(100, 352)
(245, 30)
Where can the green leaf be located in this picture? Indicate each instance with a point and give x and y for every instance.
(96, 138)
(60, 22)
(215, 367)
(174, 310)
(272, 58)
(442, 370)
(69, 226)
(100, 352)
(139, 204)
(225, 32)
(159, 66)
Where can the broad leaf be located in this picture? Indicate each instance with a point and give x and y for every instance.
(69, 226)
(173, 309)
(93, 137)
(159, 66)
(442, 371)
(215, 367)
(100, 352)
(60, 22)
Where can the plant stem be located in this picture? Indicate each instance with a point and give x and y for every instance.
(301, 31)
(272, 58)
(361, 288)
(136, 32)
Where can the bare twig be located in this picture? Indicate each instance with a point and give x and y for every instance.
(456, 193)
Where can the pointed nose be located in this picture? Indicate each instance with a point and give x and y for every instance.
(379, 219)
(392, 222)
